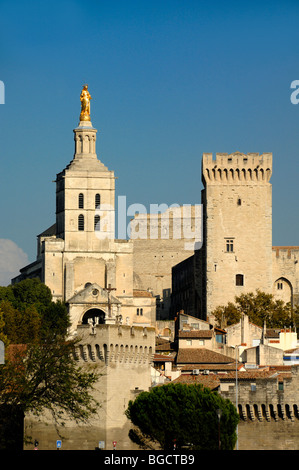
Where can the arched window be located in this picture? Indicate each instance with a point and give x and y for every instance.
(239, 280)
(97, 200)
(81, 201)
(97, 220)
(81, 222)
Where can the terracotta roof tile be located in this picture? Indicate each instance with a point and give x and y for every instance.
(164, 358)
(250, 375)
(209, 381)
(202, 356)
(211, 367)
(195, 334)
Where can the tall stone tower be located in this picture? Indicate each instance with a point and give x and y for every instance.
(82, 189)
(237, 251)
(78, 257)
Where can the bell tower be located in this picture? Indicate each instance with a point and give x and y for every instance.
(85, 190)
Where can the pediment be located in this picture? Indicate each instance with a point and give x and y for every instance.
(93, 294)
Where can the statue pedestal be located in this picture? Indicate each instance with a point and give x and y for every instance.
(85, 124)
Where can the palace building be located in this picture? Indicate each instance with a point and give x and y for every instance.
(148, 278)
(117, 290)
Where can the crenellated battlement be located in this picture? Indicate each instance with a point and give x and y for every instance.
(289, 252)
(116, 343)
(236, 168)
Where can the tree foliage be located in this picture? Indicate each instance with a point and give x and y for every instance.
(184, 414)
(43, 376)
(28, 313)
(27, 292)
(40, 371)
(260, 307)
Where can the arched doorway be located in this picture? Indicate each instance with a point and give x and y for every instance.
(94, 315)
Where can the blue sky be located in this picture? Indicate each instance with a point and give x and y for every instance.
(170, 80)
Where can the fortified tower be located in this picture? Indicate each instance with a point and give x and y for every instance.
(237, 251)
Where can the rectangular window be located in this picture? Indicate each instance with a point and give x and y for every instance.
(280, 386)
(229, 245)
(239, 280)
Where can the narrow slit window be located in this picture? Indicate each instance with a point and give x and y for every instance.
(81, 222)
(81, 201)
(97, 200)
(280, 386)
(97, 222)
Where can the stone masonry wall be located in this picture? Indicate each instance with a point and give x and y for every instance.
(123, 355)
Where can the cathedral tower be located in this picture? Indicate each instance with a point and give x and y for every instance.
(78, 257)
(237, 251)
(85, 192)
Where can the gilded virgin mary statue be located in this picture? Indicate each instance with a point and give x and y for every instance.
(85, 104)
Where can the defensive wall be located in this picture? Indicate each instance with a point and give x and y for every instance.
(123, 356)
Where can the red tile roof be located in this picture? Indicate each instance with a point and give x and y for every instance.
(250, 375)
(209, 381)
(210, 367)
(195, 334)
(202, 356)
(164, 358)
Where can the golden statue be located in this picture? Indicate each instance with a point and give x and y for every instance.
(85, 104)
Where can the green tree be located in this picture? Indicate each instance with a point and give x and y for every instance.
(184, 414)
(55, 319)
(20, 326)
(260, 308)
(45, 376)
(28, 313)
(27, 292)
(227, 314)
(40, 371)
